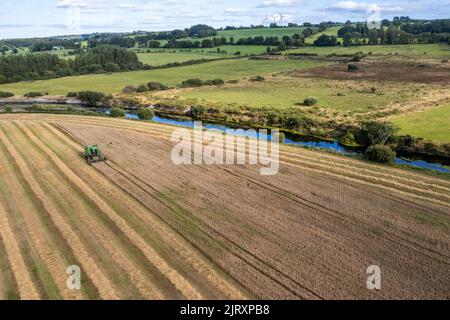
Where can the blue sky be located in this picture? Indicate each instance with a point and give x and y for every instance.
(30, 18)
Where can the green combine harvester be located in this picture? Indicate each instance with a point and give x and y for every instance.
(93, 154)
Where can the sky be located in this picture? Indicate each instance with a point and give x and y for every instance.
(31, 18)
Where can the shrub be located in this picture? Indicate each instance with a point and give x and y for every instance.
(348, 139)
(215, 82)
(117, 113)
(380, 153)
(379, 132)
(352, 67)
(6, 94)
(258, 78)
(129, 89)
(92, 98)
(112, 67)
(3, 79)
(156, 86)
(197, 111)
(33, 94)
(192, 83)
(145, 114)
(233, 81)
(72, 95)
(8, 109)
(142, 88)
(309, 102)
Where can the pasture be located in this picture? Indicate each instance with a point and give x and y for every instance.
(286, 92)
(433, 124)
(115, 82)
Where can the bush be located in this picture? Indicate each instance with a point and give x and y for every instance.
(258, 78)
(92, 98)
(352, 67)
(380, 153)
(33, 94)
(156, 86)
(192, 83)
(142, 88)
(129, 89)
(197, 111)
(8, 109)
(348, 139)
(379, 132)
(72, 95)
(3, 79)
(117, 113)
(215, 82)
(6, 94)
(309, 102)
(112, 67)
(145, 114)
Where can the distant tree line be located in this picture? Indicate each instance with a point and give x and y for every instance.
(402, 30)
(15, 68)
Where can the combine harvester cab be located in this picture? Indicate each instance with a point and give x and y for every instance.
(93, 154)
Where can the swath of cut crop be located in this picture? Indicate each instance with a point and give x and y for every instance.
(188, 254)
(49, 254)
(177, 280)
(26, 287)
(145, 287)
(91, 269)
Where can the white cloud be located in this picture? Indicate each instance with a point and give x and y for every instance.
(364, 7)
(280, 3)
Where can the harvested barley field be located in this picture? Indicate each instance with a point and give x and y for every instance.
(141, 227)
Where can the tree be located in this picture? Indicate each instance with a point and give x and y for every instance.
(373, 37)
(379, 133)
(207, 43)
(380, 153)
(326, 40)
(145, 114)
(92, 98)
(346, 29)
(117, 113)
(201, 31)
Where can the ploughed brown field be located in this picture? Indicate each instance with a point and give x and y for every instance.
(396, 71)
(141, 227)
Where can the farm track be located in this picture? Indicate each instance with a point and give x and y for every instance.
(162, 247)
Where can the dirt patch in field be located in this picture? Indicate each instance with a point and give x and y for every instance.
(383, 71)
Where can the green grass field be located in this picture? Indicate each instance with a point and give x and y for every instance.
(225, 51)
(432, 124)
(114, 83)
(163, 58)
(265, 32)
(432, 50)
(333, 31)
(283, 92)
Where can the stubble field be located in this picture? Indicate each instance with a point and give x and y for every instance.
(141, 227)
